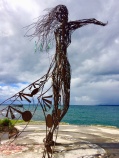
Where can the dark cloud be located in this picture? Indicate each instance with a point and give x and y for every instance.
(93, 53)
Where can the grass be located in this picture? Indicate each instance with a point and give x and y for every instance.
(32, 122)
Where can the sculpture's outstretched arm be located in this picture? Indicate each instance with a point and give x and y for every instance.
(73, 25)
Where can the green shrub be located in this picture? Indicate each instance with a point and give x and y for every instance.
(6, 122)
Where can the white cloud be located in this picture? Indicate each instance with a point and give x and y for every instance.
(75, 82)
(84, 100)
(7, 91)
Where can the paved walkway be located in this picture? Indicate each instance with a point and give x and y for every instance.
(73, 142)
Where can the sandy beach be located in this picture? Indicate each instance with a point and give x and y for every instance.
(73, 141)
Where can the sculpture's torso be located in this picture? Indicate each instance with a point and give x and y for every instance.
(61, 72)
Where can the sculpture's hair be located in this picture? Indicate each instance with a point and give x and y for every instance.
(46, 25)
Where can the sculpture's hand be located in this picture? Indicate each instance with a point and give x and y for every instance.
(98, 22)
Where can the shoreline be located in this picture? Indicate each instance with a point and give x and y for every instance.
(33, 122)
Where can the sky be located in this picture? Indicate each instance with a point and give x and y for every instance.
(93, 53)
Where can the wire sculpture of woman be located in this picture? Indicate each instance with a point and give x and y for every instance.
(55, 26)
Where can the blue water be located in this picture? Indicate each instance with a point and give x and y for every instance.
(87, 115)
(93, 115)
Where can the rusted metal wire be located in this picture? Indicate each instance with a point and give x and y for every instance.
(52, 26)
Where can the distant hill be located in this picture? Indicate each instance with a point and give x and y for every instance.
(107, 105)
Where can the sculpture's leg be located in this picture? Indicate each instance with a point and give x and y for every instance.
(52, 125)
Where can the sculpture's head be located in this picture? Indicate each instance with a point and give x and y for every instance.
(47, 25)
(61, 13)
